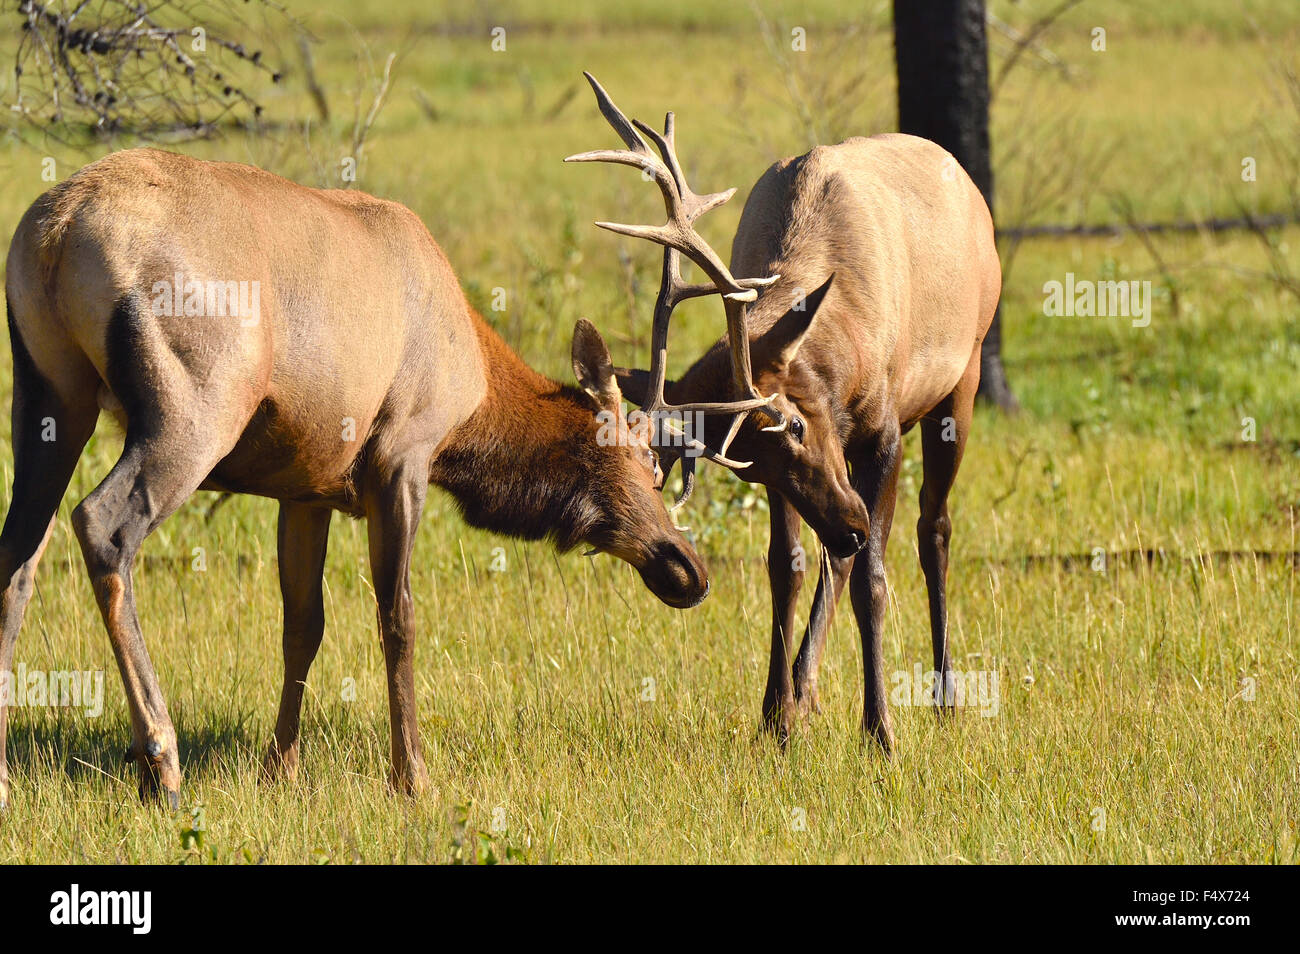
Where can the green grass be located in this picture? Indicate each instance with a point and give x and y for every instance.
(1127, 690)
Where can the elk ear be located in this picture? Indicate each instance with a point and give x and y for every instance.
(593, 366)
(777, 346)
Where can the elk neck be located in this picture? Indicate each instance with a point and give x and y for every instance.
(521, 464)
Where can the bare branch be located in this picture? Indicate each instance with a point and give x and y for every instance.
(168, 68)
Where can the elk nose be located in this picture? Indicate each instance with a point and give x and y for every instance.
(676, 575)
(847, 544)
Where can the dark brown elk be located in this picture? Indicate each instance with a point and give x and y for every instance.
(879, 277)
(320, 352)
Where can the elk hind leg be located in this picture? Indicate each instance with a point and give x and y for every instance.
(302, 538)
(159, 468)
(943, 440)
(49, 434)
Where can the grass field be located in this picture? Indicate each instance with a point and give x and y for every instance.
(1147, 709)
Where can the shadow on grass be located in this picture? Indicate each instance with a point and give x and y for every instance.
(88, 748)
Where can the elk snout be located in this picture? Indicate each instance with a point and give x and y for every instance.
(852, 543)
(847, 528)
(675, 573)
(847, 543)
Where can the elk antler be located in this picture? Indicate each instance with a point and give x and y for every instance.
(678, 236)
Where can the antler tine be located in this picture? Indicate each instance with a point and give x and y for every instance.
(614, 116)
(688, 484)
(672, 290)
(688, 470)
(664, 143)
(751, 288)
(690, 206)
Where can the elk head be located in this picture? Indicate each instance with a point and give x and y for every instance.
(622, 488)
(780, 424)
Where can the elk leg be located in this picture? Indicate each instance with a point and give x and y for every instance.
(154, 476)
(44, 460)
(785, 579)
(393, 506)
(943, 439)
(302, 538)
(876, 479)
(833, 573)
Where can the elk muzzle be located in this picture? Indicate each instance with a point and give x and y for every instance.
(850, 538)
(841, 522)
(675, 573)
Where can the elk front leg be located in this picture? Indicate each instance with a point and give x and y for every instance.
(943, 440)
(393, 507)
(876, 479)
(302, 538)
(833, 574)
(785, 578)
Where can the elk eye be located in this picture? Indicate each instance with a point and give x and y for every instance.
(797, 428)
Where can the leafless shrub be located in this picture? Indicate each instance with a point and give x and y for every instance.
(161, 69)
(336, 150)
(826, 91)
(1038, 165)
(1028, 39)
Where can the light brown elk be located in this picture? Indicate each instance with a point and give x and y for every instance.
(879, 279)
(359, 377)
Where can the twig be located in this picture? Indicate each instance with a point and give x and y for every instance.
(363, 130)
(1029, 40)
(313, 84)
(1122, 205)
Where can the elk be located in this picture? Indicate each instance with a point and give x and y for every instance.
(879, 277)
(362, 377)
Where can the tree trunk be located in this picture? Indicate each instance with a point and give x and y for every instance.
(941, 52)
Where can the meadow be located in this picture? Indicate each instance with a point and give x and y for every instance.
(1125, 548)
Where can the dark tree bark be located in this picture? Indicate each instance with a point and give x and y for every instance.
(941, 52)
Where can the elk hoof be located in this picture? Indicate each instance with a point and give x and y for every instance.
(412, 782)
(153, 792)
(160, 774)
(779, 723)
(280, 765)
(4, 796)
(809, 702)
(879, 736)
(945, 697)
